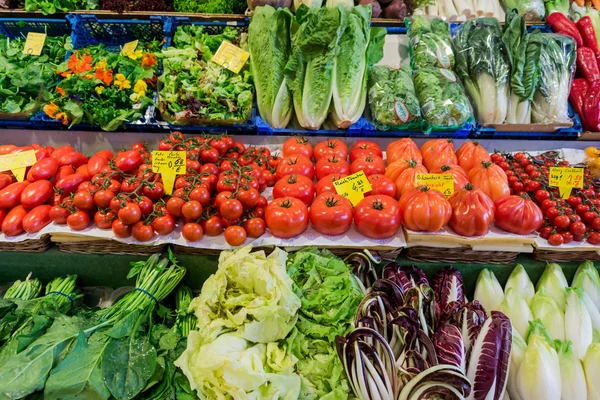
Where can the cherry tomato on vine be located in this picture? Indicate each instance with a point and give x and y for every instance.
(142, 232)
(255, 227)
(213, 226)
(191, 210)
(235, 235)
(83, 201)
(104, 219)
(163, 225)
(231, 209)
(556, 239)
(192, 232)
(78, 221)
(130, 213)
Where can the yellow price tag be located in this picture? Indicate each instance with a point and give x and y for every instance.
(17, 163)
(168, 164)
(441, 182)
(129, 47)
(566, 179)
(231, 57)
(34, 43)
(353, 187)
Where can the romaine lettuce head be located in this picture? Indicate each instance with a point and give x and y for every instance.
(251, 295)
(233, 368)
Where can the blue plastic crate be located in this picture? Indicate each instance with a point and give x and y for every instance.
(369, 130)
(263, 128)
(88, 30)
(19, 27)
(16, 124)
(211, 27)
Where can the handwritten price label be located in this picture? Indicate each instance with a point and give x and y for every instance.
(17, 163)
(566, 179)
(34, 44)
(353, 187)
(129, 47)
(169, 164)
(441, 182)
(231, 57)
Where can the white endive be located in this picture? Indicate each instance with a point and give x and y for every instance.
(553, 283)
(515, 307)
(572, 377)
(591, 366)
(539, 374)
(488, 291)
(588, 279)
(578, 324)
(544, 308)
(593, 310)
(520, 281)
(516, 358)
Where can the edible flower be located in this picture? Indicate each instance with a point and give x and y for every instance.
(64, 117)
(134, 55)
(122, 82)
(99, 89)
(61, 91)
(149, 60)
(104, 76)
(51, 109)
(140, 87)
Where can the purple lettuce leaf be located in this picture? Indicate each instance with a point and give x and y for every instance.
(449, 346)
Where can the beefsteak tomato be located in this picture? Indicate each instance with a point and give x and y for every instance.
(331, 214)
(491, 179)
(381, 184)
(363, 148)
(297, 146)
(326, 184)
(425, 210)
(406, 180)
(369, 164)
(518, 214)
(472, 211)
(438, 152)
(299, 164)
(458, 174)
(331, 165)
(298, 186)
(404, 149)
(330, 148)
(286, 217)
(378, 216)
(471, 154)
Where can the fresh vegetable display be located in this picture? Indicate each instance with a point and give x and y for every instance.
(195, 90)
(554, 330)
(459, 10)
(103, 88)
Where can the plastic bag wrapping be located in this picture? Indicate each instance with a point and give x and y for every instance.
(531, 10)
(392, 99)
(556, 69)
(430, 43)
(482, 65)
(444, 104)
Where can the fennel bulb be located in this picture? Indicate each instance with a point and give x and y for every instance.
(520, 281)
(578, 324)
(544, 308)
(488, 291)
(516, 308)
(572, 377)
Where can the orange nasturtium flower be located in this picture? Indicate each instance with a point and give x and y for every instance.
(61, 91)
(122, 82)
(104, 76)
(149, 60)
(64, 117)
(51, 109)
(78, 66)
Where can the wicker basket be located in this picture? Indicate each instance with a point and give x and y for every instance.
(565, 256)
(28, 246)
(459, 255)
(110, 247)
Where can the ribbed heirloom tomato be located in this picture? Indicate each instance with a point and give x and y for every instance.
(331, 214)
(286, 217)
(404, 149)
(458, 174)
(491, 179)
(518, 214)
(438, 152)
(407, 178)
(425, 210)
(471, 154)
(472, 211)
(378, 217)
(298, 186)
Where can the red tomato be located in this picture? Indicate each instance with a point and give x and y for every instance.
(64, 172)
(364, 148)
(235, 235)
(142, 232)
(59, 215)
(330, 148)
(297, 146)
(381, 184)
(492, 180)
(378, 217)
(326, 184)
(5, 180)
(36, 194)
(174, 206)
(286, 217)
(299, 164)
(102, 198)
(120, 229)
(404, 149)
(331, 165)
(331, 214)
(130, 214)
(10, 196)
(145, 204)
(96, 163)
(255, 227)
(104, 219)
(556, 239)
(191, 210)
(74, 159)
(248, 198)
(83, 201)
(518, 215)
(472, 211)
(62, 150)
(192, 232)
(458, 174)
(108, 154)
(46, 168)
(154, 190)
(7, 148)
(213, 226)
(368, 163)
(37, 218)
(298, 186)
(83, 170)
(163, 225)
(12, 225)
(70, 183)
(425, 210)
(231, 209)
(78, 221)
(128, 160)
(471, 154)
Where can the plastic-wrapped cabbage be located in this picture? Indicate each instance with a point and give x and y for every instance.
(250, 294)
(444, 104)
(430, 43)
(392, 98)
(531, 10)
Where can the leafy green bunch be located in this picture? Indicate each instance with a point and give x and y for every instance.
(104, 88)
(54, 6)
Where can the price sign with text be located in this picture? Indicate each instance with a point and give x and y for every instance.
(17, 163)
(353, 187)
(34, 43)
(231, 57)
(441, 182)
(129, 47)
(566, 179)
(168, 164)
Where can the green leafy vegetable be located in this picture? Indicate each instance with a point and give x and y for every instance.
(211, 6)
(430, 43)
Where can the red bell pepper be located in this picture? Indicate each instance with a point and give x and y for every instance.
(579, 89)
(561, 24)
(588, 34)
(587, 64)
(591, 107)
